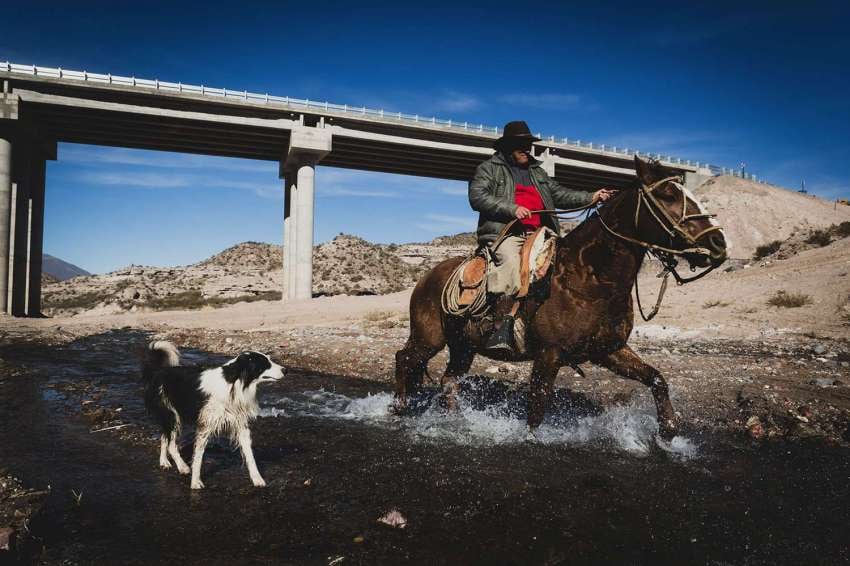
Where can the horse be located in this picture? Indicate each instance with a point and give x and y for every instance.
(588, 313)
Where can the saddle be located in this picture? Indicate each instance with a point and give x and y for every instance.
(466, 288)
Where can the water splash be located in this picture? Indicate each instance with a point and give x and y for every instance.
(631, 428)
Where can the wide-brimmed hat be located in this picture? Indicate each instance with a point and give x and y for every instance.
(516, 131)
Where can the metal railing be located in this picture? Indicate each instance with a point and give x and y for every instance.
(308, 105)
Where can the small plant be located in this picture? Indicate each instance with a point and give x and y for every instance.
(767, 249)
(819, 238)
(844, 310)
(714, 303)
(789, 300)
(377, 316)
(842, 230)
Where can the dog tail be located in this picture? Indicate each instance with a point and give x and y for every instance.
(159, 354)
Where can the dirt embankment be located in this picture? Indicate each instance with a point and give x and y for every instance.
(753, 214)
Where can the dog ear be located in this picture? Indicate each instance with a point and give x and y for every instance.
(236, 368)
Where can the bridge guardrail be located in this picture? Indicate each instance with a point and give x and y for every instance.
(306, 104)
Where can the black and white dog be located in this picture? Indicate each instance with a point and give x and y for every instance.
(214, 400)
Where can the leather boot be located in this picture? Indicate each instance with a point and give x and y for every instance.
(502, 339)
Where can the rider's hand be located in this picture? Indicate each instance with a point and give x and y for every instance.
(522, 213)
(603, 195)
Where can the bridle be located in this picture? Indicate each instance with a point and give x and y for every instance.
(675, 229)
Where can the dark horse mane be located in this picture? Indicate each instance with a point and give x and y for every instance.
(592, 216)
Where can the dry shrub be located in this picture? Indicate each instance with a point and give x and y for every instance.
(819, 238)
(844, 310)
(377, 316)
(767, 249)
(789, 300)
(842, 230)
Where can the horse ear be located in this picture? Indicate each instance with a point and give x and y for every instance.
(646, 171)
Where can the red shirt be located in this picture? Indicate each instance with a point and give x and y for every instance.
(527, 196)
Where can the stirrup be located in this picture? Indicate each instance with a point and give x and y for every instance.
(502, 339)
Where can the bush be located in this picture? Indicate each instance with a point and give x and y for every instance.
(377, 316)
(789, 300)
(842, 230)
(767, 249)
(819, 238)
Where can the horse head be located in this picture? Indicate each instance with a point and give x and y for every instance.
(669, 216)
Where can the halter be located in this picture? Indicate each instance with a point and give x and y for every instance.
(674, 229)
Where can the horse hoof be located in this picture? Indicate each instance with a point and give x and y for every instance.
(667, 429)
(531, 435)
(398, 408)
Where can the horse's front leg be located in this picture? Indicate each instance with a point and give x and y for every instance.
(543, 374)
(626, 363)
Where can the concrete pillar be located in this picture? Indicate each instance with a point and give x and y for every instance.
(305, 197)
(291, 254)
(18, 234)
(307, 145)
(5, 219)
(289, 215)
(36, 236)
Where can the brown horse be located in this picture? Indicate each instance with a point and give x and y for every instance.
(587, 315)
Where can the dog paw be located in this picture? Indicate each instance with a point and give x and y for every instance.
(185, 470)
(197, 484)
(259, 482)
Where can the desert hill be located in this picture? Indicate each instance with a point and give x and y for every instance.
(60, 269)
(754, 214)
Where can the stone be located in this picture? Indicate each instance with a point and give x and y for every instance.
(7, 538)
(819, 349)
(393, 519)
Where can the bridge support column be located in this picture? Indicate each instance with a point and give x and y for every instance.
(289, 213)
(305, 197)
(38, 175)
(307, 146)
(19, 231)
(5, 219)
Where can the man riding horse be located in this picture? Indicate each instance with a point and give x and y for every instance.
(509, 186)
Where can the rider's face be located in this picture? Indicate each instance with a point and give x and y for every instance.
(521, 154)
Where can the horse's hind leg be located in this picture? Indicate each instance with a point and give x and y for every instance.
(460, 360)
(627, 363)
(411, 363)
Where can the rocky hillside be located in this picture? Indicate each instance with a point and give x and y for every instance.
(248, 271)
(352, 266)
(753, 214)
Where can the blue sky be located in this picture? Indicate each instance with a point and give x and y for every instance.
(765, 83)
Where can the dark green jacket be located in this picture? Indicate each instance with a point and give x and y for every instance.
(491, 194)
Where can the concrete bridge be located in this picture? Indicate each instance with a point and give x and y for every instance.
(42, 106)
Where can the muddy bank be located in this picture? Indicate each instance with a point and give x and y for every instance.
(594, 487)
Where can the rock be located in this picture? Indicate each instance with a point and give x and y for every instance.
(492, 369)
(393, 519)
(7, 538)
(819, 349)
(359, 539)
(755, 428)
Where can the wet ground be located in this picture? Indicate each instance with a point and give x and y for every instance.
(594, 487)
